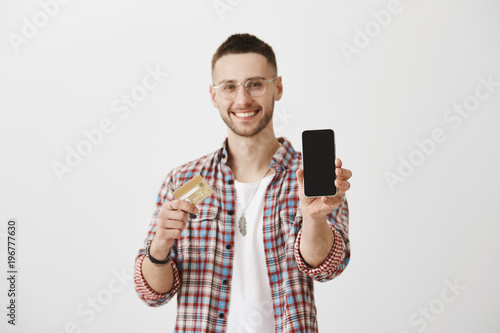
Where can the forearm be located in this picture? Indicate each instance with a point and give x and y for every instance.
(316, 241)
(159, 277)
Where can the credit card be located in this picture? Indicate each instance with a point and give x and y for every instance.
(194, 191)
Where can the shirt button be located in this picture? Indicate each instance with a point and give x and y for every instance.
(224, 282)
(231, 212)
(229, 181)
(228, 247)
(221, 315)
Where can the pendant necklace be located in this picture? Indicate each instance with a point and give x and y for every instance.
(242, 223)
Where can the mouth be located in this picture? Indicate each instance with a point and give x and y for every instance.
(247, 114)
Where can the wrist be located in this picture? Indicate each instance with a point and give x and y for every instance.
(156, 255)
(160, 248)
(313, 222)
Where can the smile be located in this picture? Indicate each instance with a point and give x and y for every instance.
(245, 114)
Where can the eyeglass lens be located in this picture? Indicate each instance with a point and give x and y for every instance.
(254, 87)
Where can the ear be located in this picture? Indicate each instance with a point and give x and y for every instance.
(212, 96)
(279, 88)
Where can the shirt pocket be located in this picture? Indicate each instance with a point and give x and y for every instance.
(199, 239)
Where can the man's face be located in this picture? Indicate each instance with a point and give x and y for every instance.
(246, 115)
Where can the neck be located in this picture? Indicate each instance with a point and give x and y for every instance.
(249, 157)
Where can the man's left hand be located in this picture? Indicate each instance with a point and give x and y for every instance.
(320, 207)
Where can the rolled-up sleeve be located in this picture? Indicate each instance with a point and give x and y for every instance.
(144, 291)
(339, 256)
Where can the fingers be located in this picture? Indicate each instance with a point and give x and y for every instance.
(172, 220)
(175, 211)
(342, 186)
(182, 205)
(342, 183)
(175, 215)
(343, 174)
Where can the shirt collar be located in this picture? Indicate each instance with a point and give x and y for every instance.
(282, 159)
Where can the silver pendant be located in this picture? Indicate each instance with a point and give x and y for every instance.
(242, 224)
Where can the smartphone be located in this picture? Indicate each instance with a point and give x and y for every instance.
(318, 158)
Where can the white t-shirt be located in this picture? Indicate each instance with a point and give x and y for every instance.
(250, 303)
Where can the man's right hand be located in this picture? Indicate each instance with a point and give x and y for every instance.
(172, 220)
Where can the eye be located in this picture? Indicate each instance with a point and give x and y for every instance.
(229, 86)
(255, 84)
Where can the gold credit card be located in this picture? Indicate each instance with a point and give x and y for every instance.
(194, 191)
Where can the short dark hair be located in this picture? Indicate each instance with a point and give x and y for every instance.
(245, 43)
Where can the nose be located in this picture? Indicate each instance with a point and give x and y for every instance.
(242, 96)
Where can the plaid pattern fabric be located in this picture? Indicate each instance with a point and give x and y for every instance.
(202, 258)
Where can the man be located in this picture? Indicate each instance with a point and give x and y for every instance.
(245, 258)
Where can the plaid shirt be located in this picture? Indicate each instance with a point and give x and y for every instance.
(202, 258)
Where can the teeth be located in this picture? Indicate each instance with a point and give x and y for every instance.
(245, 114)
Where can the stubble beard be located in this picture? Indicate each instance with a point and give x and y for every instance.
(245, 133)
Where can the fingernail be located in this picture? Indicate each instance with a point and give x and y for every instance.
(340, 182)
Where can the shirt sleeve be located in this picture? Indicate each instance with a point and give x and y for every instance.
(338, 258)
(144, 291)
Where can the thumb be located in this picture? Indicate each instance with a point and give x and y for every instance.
(300, 178)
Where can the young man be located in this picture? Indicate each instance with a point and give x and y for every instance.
(244, 259)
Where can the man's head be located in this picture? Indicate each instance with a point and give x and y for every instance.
(245, 43)
(240, 58)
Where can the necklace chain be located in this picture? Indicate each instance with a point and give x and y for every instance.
(242, 224)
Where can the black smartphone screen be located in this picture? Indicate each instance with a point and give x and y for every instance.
(318, 154)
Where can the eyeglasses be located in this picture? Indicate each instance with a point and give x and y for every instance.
(254, 87)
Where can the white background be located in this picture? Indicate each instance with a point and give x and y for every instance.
(74, 236)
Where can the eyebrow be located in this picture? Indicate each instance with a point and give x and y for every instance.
(250, 78)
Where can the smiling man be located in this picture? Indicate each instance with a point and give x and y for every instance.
(244, 259)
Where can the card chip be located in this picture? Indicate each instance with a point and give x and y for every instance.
(194, 191)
